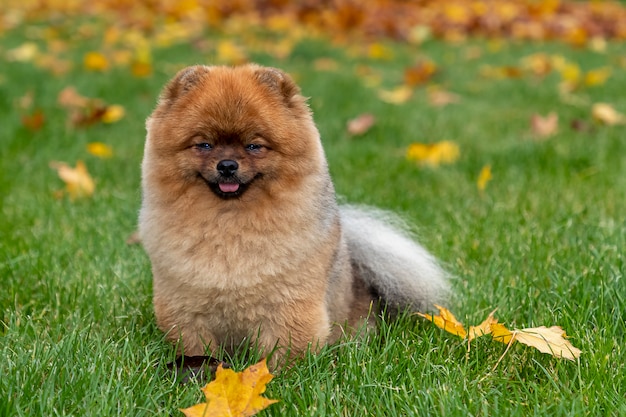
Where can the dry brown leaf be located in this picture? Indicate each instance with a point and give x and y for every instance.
(361, 124)
(439, 98)
(78, 182)
(549, 340)
(544, 127)
(606, 114)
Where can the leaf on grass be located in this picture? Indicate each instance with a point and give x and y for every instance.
(361, 124)
(597, 76)
(78, 182)
(398, 95)
(483, 328)
(112, 113)
(549, 340)
(95, 61)
(34, 121)
(433, 154)
(544, 126)
(419, 73)
(236, 394)
(483, 178)
(606, 114)
(446, 321)
(99, 149)
(439, 98)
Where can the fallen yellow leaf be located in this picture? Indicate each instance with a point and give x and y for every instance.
(113, 113)
(605, 113)
(398, 95)
(433, 154)
(597, 76)
(234, 394)
(446, 321)
(483, 178)
(95, 61)
(78, 182)
(548, 340)
(483, 328)
(99, 149)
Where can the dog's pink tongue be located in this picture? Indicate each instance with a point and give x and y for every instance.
(228, 188)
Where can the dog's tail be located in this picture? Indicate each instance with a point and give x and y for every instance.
(397, 268)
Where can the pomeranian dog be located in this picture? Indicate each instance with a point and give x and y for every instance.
(240, 221)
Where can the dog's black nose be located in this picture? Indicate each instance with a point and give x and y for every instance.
(227, 167)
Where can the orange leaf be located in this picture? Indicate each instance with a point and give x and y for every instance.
(420, 73)
(78, 182)
(236, 394)
(446, 321)
(361, 124)
(34, 121)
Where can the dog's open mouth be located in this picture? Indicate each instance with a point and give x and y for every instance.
(228, 188)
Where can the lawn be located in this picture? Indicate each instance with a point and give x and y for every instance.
(544, 242)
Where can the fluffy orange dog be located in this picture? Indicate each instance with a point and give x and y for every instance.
(240, 221)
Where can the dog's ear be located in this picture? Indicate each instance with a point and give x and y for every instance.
(279, 82)
(182, 82)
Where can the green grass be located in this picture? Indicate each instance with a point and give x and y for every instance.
(545, 243)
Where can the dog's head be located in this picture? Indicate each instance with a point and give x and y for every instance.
(232, 130)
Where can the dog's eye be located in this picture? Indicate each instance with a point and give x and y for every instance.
(203, 145)
(253, 147)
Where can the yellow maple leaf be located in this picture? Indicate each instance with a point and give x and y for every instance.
(113, 113)
(483, 178)
(78, 182)
(99, 149)
(230, 53)
(446, 321)
(597, 76)
(234, 394)
(95, 61)
(398, 95)
(483, 328)
(433, 154)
